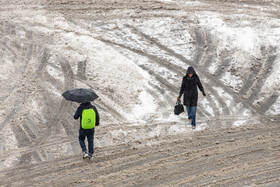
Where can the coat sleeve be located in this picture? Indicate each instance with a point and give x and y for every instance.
(200, 85)
(77, 113)
(97, 115)
(182, 88)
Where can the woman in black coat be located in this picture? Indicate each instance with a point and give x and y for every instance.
(189, 88)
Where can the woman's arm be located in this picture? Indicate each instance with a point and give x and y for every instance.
(182, 88)
(200, 86)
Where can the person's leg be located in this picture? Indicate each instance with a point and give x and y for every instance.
(82, 140)
(90, 138)
(189, 112)
(193, 115)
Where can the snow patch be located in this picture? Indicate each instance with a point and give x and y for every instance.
(273, 81)
(206, 105)
(240, 123)
(55, 73)
(147, 107)
(176, 129)
(7, 67)
(239, 39)
(220, 108)
(223, 94)
(155, 132)
(232, 81)
(166, 1)
(194, 3)
(201, 127)
(213, 67)
(275, 108)
(9, 143)
(21, 34)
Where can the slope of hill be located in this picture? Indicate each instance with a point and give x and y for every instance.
(134, 55)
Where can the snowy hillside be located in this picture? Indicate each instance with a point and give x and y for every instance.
(134, 58)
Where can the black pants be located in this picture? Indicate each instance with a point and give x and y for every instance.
(89, 133)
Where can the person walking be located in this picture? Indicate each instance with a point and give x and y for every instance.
(189, 88)
(89, 118)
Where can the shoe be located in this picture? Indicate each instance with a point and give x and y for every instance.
(85, 155)
(193, 127)
(91, 158)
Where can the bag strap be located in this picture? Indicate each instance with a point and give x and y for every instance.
(178, 102)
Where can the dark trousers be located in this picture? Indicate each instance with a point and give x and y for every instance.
(89, 133)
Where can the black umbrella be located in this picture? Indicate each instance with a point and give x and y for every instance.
(80, 95)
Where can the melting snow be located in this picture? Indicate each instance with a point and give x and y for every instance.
(144, 110)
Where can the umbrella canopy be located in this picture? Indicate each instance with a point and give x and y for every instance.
(80, 95)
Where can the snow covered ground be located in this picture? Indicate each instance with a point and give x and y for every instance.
(135, 63)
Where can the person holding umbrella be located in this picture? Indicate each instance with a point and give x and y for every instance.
(89, 117)
(189, 88)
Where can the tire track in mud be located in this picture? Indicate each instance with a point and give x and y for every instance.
(12, 113)
(269, 102)
(39, 148)
(26, 158)
(99, 104)
(201, 43)
(156, 59)
(81, 167)
(250, 81)
(170, 51)
(170, 88)
(199, 52)
(256, 173)
(55, 114)
(220, 100)
(23, 69)
(210, 49)
(157, 179)
(222, 68)
(54, 82)
(55, 117)
(67, 162)
(81, 72)
(251, 89)
(263, 76)
(202, 72)
(129, 127)
(234, 95)
(160, 92)
(8, 49)
(227, 181)
(161, 62)
(25, 133)
(222, 156)
(1, 55)
(127, 166)
(20, 131)
(146, 175)
(201, 111)
(43, 62)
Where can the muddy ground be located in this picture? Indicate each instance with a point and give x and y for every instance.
(245, 156)
(134, 55)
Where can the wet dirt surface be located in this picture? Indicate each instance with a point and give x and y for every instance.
(44, 51)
